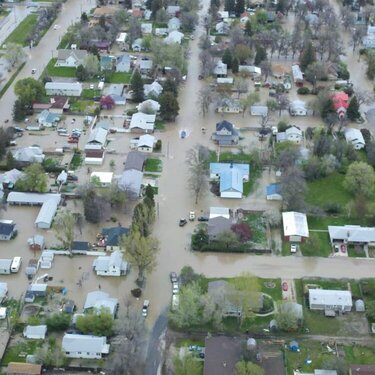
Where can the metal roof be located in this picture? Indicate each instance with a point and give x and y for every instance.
(92, 344)
(31, 198)
(351, 233)
(47, 212)
(329, 297)
(295, 224)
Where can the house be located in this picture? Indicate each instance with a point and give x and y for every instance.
(295, 226)
(121, 41)
(111, 238)
(58, 105)
(145, 65)
(297, 75)
(135, 160)
(173, 10)
(46, 259)
(174, 24)
(102, 45)
(31, 199)
(137, 45)
(47, 213)
(355, 137)
(146, 28)
(105, 11)
(63, 88)
(32, 154)
(146, 143)
(5, 266)
(298, 108)
(36, 242)
(221, 355)
(273, 192)
(330, 300)
(252, 70)
(161, 31)
(84, 346)
(291, 134)
(217, 226)
(3, 291)
(94, 156)
(35, 332)
(20, 368)
(219, 211)
(316, 372)
(80, 247)
(142, 123)
(225, 134)
(222, 28)
(97, 300)
(362, 370)
(123, 64)
(116, 92)
(112, 265)
(228, 105)
(107, 62)
(153, 89)
(69, 306)
(7, 230)
(225, 82)
(9, 178)
(223, 14)
(220, 70)
(259, 110)
(70, 58)
(231, 177)
(148, 106)
(351, 234)
(131, 182)
(48, 119)
(340, 103)
(174, 37)
(97, 137)
(103, 179)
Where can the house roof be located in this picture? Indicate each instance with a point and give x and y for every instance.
(135, 160)
(220, 168)
(93, 297)
(105, 263)
(23, 368)
(174, 36)
(231, 181)
(63, 86)
(37, 288)
(218, 225)
(146, 140)
(92, 344)
(146, 28)
(48, 117)
(137, 43)
(340, 100)
(297, 74)
(273, 189)
(153, 88)
(174, 22)
(224, 125)
(221, 355)
(11, 176)
(261, 110)
(220, 68)
(295, 224)
(149, 103)
(80, 245)
(6, 229)
(219, 211)
(47, 212)
(5, 263)
(362, 369)
(330, 297)
(78, 54)
(98, 135)
(121, 37)
(114, 234)
(354, 136)
(30, 330)
(142, 121)
(250, 69)
(29, 154)
(145, 64)
(351, 233)
(97, 300)
(131, 181)
(104, 177)
(297, 104)
(32, 198)
(293, 130)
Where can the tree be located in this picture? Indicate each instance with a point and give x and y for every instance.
(136, 85)
(14, 54)
(51, 355)
(207, 63)
(134, 30)
(188, 21)
(81, 73)
(95, 207)
(360, 179)
(205, 99)
(370, 151)
(229, 5)
(370, 58)
(84, 18)
(353, 109)
(58, 322)
(140, 252)
(5, 137)
(370, 310)
(293, 187)
(169, 106)
(187, 275)
(187, 365)
(287, 318)
(260, 55)
(170, 85)
(227, 58)
(248, 28)
(272, 217)
(240, 7)
(243, 231)
(63, 227)
(197, 161)
(242, 52)
(98, 323)
(34, 179)
(117, 197)
(314, 72)
(247, 102)
(149, 193)
(199, 239)
(107, 102)
(143, 217)
(91, 65)
(19, 110)
(307, 56)
(266, 68)
(248, 368)
(235, 65)
(29, 90)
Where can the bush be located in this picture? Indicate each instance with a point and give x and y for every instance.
(158, 145)
(333, 208)
(131, 112)
(303, 91)
(282, 126)
(58, 322)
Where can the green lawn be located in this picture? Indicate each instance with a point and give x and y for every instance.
(275, 292)
(317, 245)
(258, 229)
(90, 94)
(336, 284)
(159, 125)
(53, 71)
(83, 106)
(17, 353)
(76, 161)
(22, 31)
(328, 190)
(153, 165)
(118, 77)
(356, 252)
(11, 80)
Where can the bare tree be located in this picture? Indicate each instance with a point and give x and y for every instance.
(363, 96)
(293, 188)
(205, 99)
(197, 161)
(134, 30)
(207, 63)
(266, 68)
(356, 36)
(347, 17)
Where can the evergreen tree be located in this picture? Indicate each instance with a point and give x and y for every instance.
(261, 55)
(81, 73)
(229, 5)
(171, 86)
(19, 110)
(235, 65)
(307, 56)
(168, 106)
(240, 7)
(353, 109)
(248, 28)
(227, 58)
(136, 85)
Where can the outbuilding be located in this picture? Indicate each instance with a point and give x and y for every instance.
(5, 266)
(35, 332)
(295, 226)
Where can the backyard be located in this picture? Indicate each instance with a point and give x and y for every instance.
(153, 165)
(22, 31)
(53, 71)
(257, 227)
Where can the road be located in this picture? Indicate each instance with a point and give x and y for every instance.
(39, 56)
(16, 15)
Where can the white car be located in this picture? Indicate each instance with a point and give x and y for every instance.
(293, 248)
(175, 288)
(146, 304)
(92, 87)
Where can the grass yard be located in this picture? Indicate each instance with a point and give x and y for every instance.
(54, 71)
(76, 161)
(275, 292)
(22, 31)
(153, 165)
(90, 93)
(119, 77)
(83, 106)
(328, 190)
(11, 80)
(317, 245)
(336, 284)
(257, 226)
(356, 252)
(159, 125)
(17, 352)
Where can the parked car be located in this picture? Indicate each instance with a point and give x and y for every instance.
(191, 215)
(173, 276)
(203, 218)
(73, 140)
(182, 222)
(33, 71)
(72, 177)
(293, 248)
(285, 286)
(175, 288)
(146, 304)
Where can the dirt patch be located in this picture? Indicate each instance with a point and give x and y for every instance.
(30, 310)
(353, 324)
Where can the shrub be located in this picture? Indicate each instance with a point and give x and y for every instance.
(282, 126)
(303, 91)
(333, 208)
(158, 145)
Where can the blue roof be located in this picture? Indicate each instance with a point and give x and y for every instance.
(231, 181)
(273, 189)
(219, 168)
(114, 235)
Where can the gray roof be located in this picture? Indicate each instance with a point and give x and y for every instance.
(7, 229)
(135, 160)
(32, 198)
(92, 344)
(93, 297)
(47, 212)
(104, 263)
(98, 299)
(5, 263)
(37, 239)
(63, 86)
(131, 181)
(98, 135)
(218, 225)
(351, 233)
(78, 54)
(329, 298)
(3, 290)
(40, 331)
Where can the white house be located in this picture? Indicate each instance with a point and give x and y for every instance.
(145, 143)
(222, 28)
(7, 230)
(35, 332)
(148, 106)
(121, 40)
(292, 134)
(97, 137)
(334, 300)
(70, 58)
(220, 70)
(97, 300)
(355, 137)
(161, 31)
(141, 122)
(295, 226)
(131, 182)
(228, 105)
(174, 36)
(32, 154)
(174, 24)
(63, 88)
(219, 211)
(298, 108)
(123, 64)
(112, 265)
(103, 178)
(153, 89)
(250, 69)
(259, 110)
(297, 74)
(146, 28)
(84, 346)
(47, 213)
(137, 45)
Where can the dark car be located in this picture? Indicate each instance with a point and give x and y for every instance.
(203, 218)
(72, 177)
(182, 222)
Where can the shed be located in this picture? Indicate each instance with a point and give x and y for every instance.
(36, 242)
(104, 178)
(80, 247)
(219, 211)
(359, 305)
(273, 192)
(5, 266)
(294, 346)
(35, 332)
(295, 226)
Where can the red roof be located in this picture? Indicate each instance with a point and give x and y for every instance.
(340, 100)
